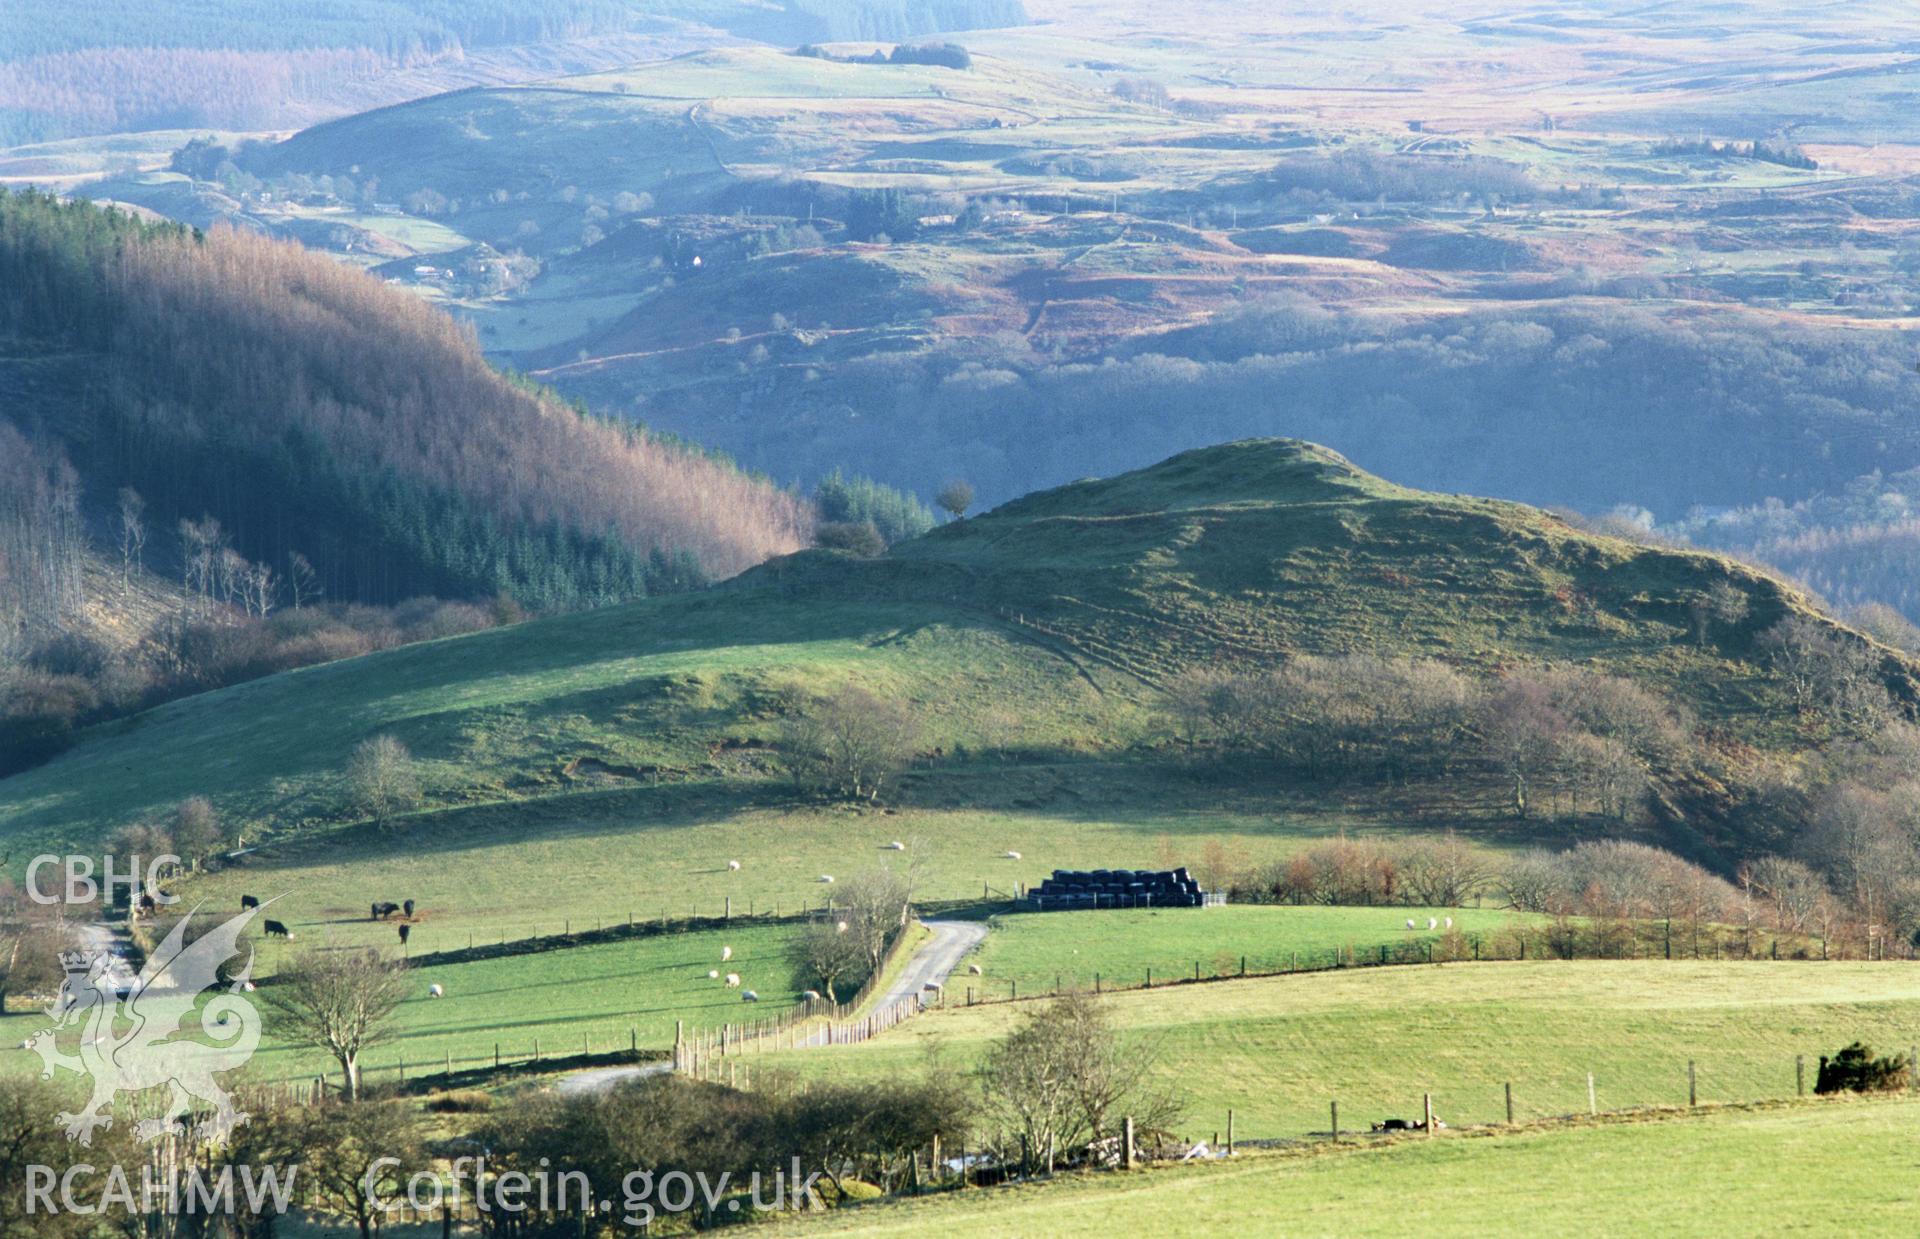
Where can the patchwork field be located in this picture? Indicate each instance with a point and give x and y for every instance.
(1276, 1051)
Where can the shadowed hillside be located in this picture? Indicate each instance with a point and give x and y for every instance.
(1044, 628)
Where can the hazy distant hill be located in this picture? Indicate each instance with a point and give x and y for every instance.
(68, 69)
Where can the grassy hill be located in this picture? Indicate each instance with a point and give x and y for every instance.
(1030, 640)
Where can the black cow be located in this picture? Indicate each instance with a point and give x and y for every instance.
(407, 908)
(381, 911)
(276, 930)
(405, 929)
(248, 901)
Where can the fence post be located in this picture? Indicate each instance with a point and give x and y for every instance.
(1509, 1103)
(1593, 1100)
(1693, 1085)
(1334, 1106)
(1229, 1133)
(1800, 1075)
(1126, 1125)
(1243, 965)
(1426, 1106)
(1096, 982)
(496, 1056)
(1149, 978)
(726, 909)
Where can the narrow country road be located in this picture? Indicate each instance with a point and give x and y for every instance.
(98, 938)
(932, 964)
(600, 1079)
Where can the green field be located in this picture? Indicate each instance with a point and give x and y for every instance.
(1791, 1169)
(1277, 1051)
(599, 997)
(1036, 951)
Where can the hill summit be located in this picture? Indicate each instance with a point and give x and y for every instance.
(1257, 550)
(1049, 624)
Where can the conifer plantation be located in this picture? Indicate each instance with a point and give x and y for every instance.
(312, 411)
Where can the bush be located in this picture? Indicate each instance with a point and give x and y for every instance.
(858, 537)
(1856, 1070)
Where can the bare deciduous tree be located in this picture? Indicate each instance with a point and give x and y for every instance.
(381, 780)
(1064, 1077)
(196, 829)
(955, 498)
(341, 1002)
(1443, 872)
(849, 744)
(131, 524)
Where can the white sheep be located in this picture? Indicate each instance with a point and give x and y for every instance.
(749, 996)
(434, 991)
(733, 866)
(726, 953)
(1410, 924)
(713, 974)
(1012, 856)
(812, 995)
(1449, 922)
(1432, 924)
(896, 846)
(973, 970)
(841, 927)
(733, 980)
(827, 878)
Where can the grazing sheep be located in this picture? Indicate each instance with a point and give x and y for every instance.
(726, 953)
(841, 927)
(973, 970)
(1410, 924)
(733, 980)
(812, 995)
(713, 974)
(1432, 924)
(1012, 856)
(896, 846)
(434, 991)
(1449, 922)
(733, 866)
(749, 996)
(826, 877)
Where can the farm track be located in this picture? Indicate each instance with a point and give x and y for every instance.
(931, 965)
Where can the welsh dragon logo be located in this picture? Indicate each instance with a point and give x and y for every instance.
(137, 1037)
